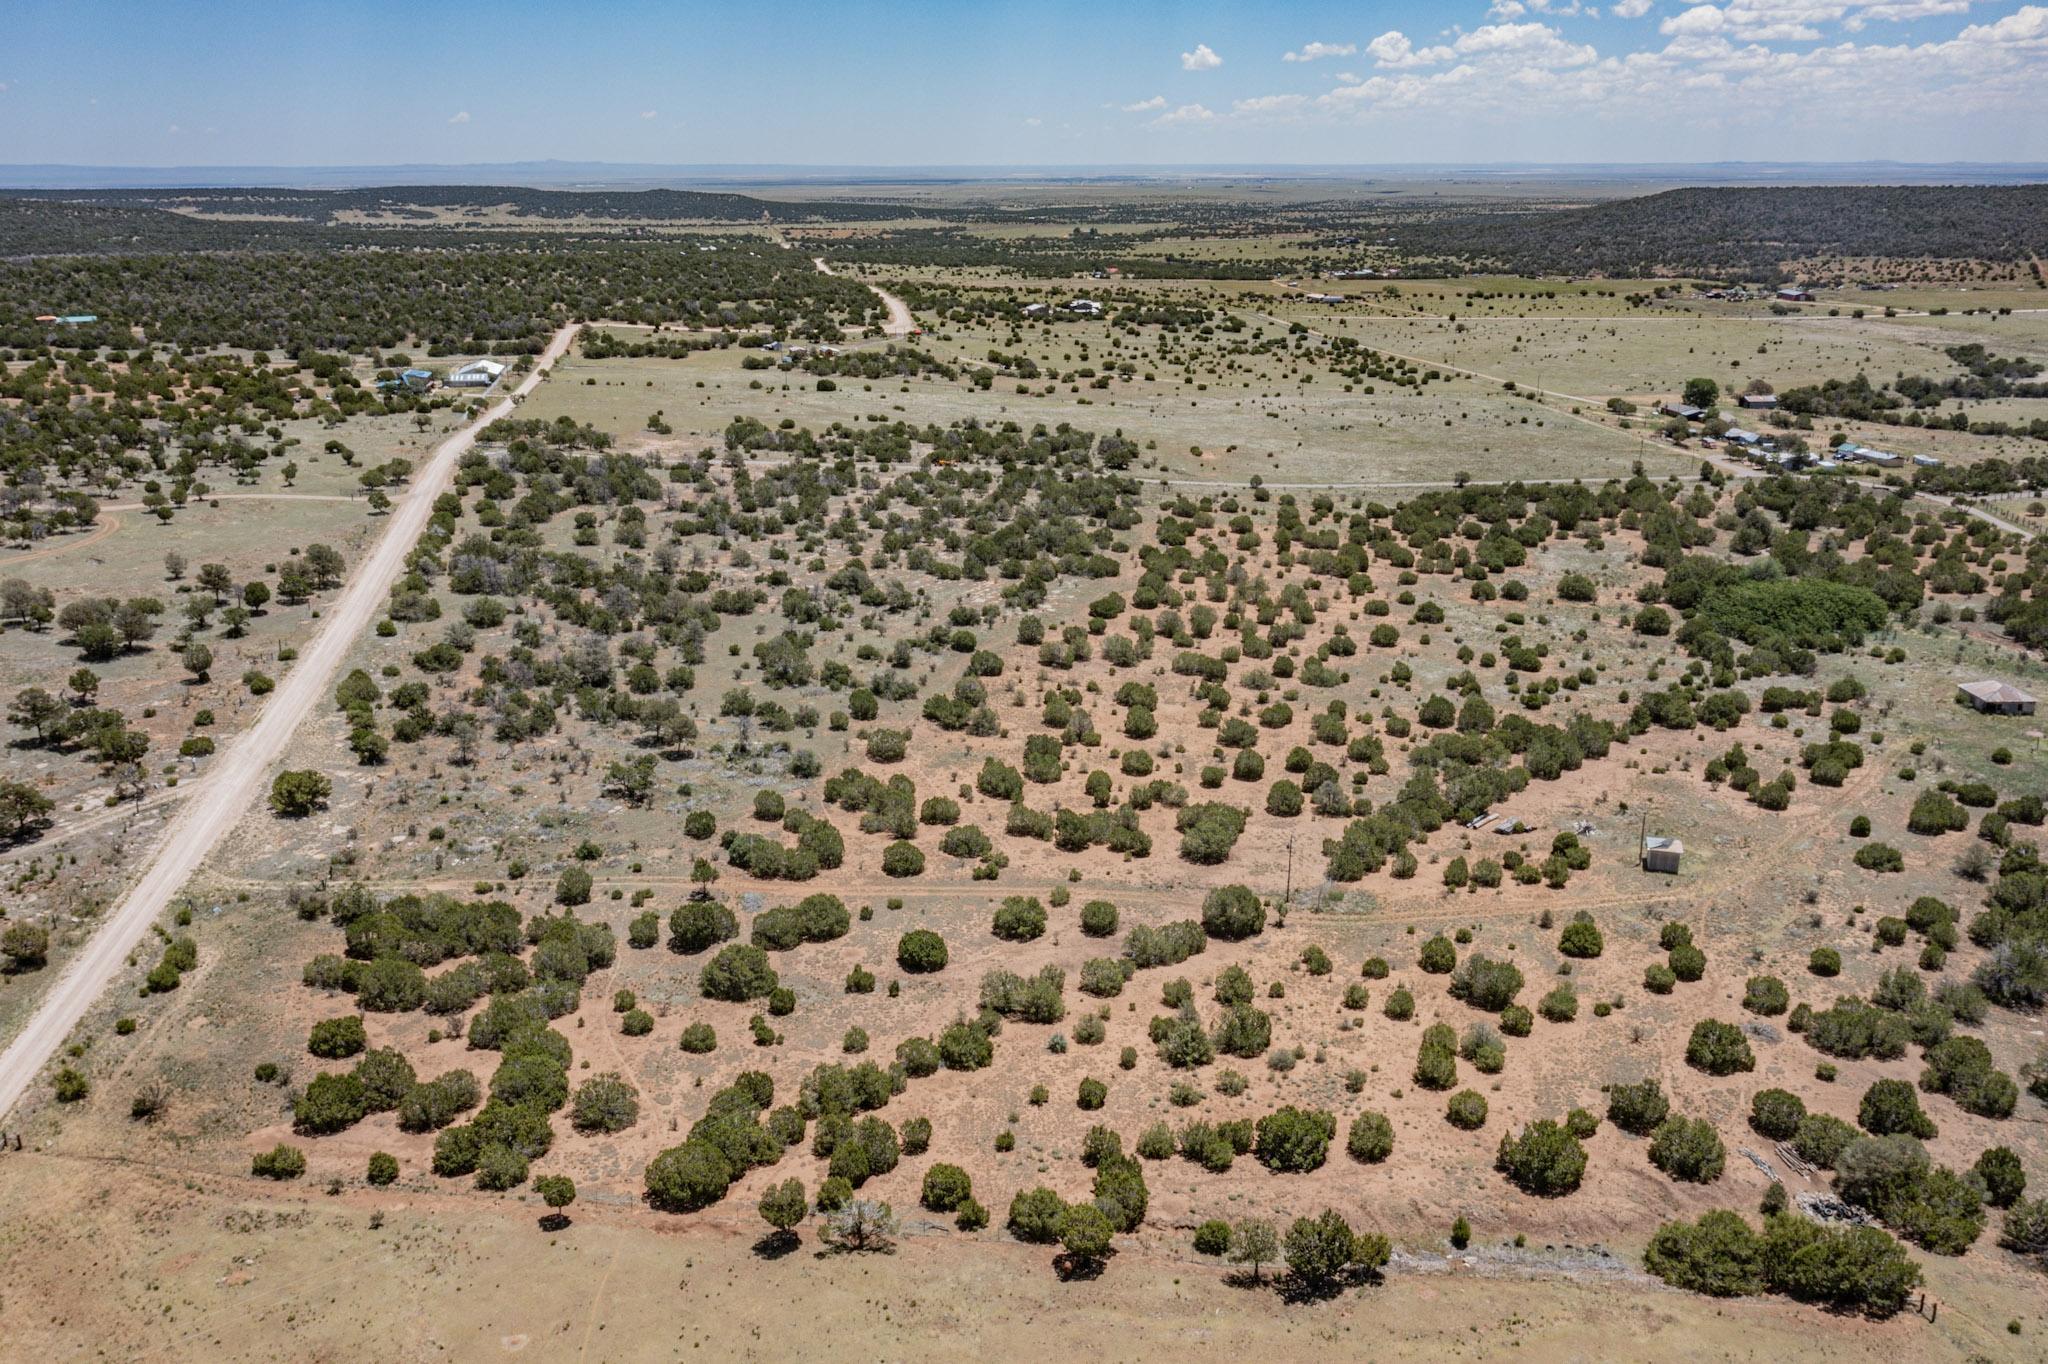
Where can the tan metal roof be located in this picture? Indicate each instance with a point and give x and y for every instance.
(1996, 693)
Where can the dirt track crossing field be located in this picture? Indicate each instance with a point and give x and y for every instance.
(242, 768)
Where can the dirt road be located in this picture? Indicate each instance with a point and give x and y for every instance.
(900, 322)
(239, 772)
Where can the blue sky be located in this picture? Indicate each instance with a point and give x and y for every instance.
(860, 82)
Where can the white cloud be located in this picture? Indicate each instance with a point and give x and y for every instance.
(1033, 122)
(1899, 11)
(1694, 22)
(462, 117)
(1507, 9)
(1201, 59)
(1392, 48)
(1185, 115)
(647, 113)
(1269, 106)
(1316, 51)
(174, 130)
(1629, 9)
(1146, 106)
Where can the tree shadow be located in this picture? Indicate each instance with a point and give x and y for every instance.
(1294, 1289)
(777, 1244)
(554, 1221)
(1073, 1268)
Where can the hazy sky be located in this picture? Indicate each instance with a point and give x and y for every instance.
(296, 82)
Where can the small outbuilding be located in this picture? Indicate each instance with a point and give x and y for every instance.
(1761, 402)
(1995, 698)
(1661, 853)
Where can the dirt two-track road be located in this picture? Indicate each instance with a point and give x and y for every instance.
(239, 772)
(900, 322)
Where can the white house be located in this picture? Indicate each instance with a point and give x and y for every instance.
(477, 374)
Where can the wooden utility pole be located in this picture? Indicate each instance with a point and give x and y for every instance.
(1288, 898)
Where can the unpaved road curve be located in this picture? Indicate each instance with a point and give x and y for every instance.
(105, 526)
(900, 322)
(239, 772)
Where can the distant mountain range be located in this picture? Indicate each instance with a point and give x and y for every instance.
(610, 175)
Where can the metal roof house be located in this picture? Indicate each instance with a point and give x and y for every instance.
(1995, 698)
(1683, 411)
(477, 374)
(1795, 295)
(1765, 402)
(1661, 853)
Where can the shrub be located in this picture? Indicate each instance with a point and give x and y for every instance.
(1438, 956)
(921, 952)
(1212, 1237)
(945, 1188)
(1035, 1216)
(1821, 1139)
(1371, 1138)
(699, 1039)
(1776, 1113)
(1639, 1108)
(1232, 913)
(1020, 918)
(1688, 963)
(1561, 1005)
(1581, 938)
(1467, 1110)
(1890, 1106)
(1542, 1159)
(691, 1176)
(1718, 1048)
(2004, 1179)
(1719, 1255)
(1294, 1140)
(1879, 857)
(332, 1039)
(1766, 995)
(738, 973)
(1098, 919)
(700, 925)
(1486, 984)
(901, 859)
(1688, 1149)
(279, 1162)
(1961, 1068)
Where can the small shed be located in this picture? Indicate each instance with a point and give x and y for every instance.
(1661, 853)
(1764, 402)
(1996, 698)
